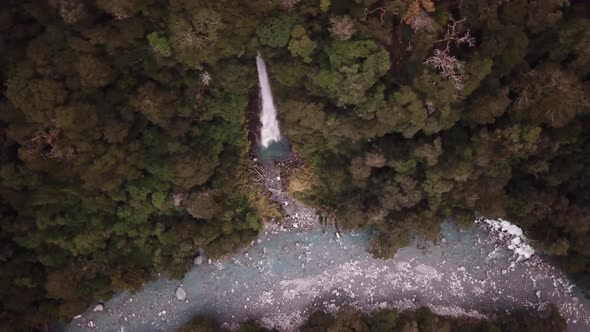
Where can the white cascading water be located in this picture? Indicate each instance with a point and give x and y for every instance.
(270, 131)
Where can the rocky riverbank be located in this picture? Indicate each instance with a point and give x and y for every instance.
(294, 268)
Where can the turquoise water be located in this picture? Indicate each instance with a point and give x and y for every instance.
(285, 275)
(276, 151)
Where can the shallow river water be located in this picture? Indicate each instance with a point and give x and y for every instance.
(286, 274)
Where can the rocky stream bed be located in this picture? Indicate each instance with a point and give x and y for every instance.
(294, 268)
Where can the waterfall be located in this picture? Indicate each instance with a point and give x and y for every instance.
(270, 131)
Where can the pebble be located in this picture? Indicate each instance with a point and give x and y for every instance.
(98, 307)
(91, 324)
(198, 260)
(180, 294)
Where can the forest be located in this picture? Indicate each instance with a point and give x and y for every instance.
(347, 319)
(124, 147)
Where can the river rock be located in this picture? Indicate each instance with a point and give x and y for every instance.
(98, 307)
(180, 293)
(198, 260)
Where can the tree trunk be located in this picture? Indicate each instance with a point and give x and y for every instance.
(396, 50)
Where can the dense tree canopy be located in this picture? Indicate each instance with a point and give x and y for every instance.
(123, 146)
(347, 319)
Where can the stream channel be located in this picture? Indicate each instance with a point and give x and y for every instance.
(294, 268)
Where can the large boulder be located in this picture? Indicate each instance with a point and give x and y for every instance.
(198, 260)
(180, 293)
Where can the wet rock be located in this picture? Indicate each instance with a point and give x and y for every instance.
(98, 307)
(198, 260)
(180, 293)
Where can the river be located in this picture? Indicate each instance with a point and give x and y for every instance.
(288, 272)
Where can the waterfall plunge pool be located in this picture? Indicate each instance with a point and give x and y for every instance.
(275, 151)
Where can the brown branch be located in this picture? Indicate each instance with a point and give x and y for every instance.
(381, 9)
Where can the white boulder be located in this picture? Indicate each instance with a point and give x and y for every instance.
(198, 260)
(180, 293)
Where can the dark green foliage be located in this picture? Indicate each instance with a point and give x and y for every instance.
(276, 31)
(355, 66)
(390, 320)
(504, 135)
(208, 324)
(118, 160)
(159, 44)
(122, 131)
(201, 324)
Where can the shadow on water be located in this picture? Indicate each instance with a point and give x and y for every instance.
(276, 151)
